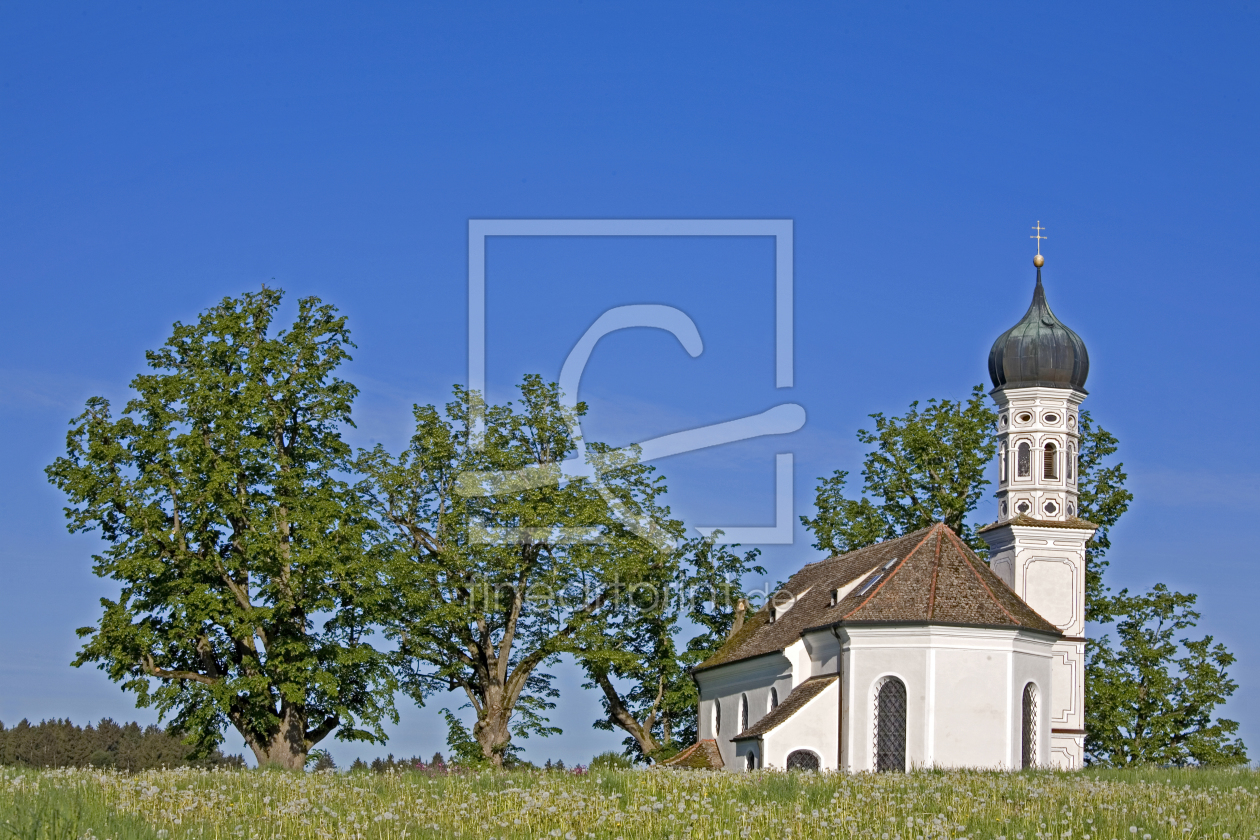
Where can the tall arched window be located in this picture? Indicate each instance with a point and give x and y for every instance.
(774, 698)
(1051, 460)
(890, 726)
(1023, 459)
(1069, 465)
(1002, 462)
(1028, 740)
(717, 718)
(743, 712)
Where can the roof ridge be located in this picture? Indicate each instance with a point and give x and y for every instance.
(936, 570)
(965, 551)
(875, 590)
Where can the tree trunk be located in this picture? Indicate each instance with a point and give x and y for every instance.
(286, 747)
(491, 729)
(621, 716)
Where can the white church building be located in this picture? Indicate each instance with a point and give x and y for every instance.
(914, 652)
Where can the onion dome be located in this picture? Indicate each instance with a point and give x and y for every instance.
(1039, 351)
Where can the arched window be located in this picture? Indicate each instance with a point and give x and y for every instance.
(774, 698)
(1002, 462)
(1028, 741)
(750, 761)
(890, 726)
(802, 760)
(1069, 465)
(1023, 459)
(717, 718)
(743, 712)
(1051, 461)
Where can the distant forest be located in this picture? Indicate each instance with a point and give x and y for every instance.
(59, 743)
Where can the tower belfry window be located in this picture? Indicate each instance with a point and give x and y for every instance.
(1023, 459)
(1070, 463)
(1051, 461)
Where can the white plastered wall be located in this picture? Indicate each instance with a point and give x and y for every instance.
(727, 684)
(1046, 568)
(814, 727)
(963, 689)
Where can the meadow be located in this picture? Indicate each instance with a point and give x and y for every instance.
(931, 805)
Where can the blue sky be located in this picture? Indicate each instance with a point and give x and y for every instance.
(155, 158)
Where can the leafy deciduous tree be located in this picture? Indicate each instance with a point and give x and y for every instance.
(658, 707)
(927, 466)
(246, 592)
(501, 563)
(1146, 704)
(1101, 499)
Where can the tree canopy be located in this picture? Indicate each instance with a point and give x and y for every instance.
(502, 562)
(247, 596)
(925, 467)
(645, 680)
(1147, 704)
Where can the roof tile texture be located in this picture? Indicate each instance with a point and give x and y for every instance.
(936, 579)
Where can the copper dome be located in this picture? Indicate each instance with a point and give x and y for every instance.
(1039, 351)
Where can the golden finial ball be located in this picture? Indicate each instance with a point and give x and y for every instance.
(1039, 261)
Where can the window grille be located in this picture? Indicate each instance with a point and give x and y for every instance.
(1023, 459)
(802, 760)
(890, 726)
(1028, 743)
(1051, 461)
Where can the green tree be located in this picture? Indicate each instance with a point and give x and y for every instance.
(246, 593)
(501, 562)
(1101, 499)
(647, 688)
(927, 466)
(1146, 704)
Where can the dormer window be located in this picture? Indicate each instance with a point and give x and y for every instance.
(773, 615)
(835, 597)
(866, 587)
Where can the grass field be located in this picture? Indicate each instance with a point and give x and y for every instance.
(233, 805)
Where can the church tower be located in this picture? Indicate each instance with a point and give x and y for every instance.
(1037, 545)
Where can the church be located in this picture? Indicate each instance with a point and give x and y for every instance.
(915, 652)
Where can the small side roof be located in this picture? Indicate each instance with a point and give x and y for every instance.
(794, 702)
(929, 576)
(702, 755)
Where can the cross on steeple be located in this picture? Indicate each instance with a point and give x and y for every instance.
(1037, 227)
